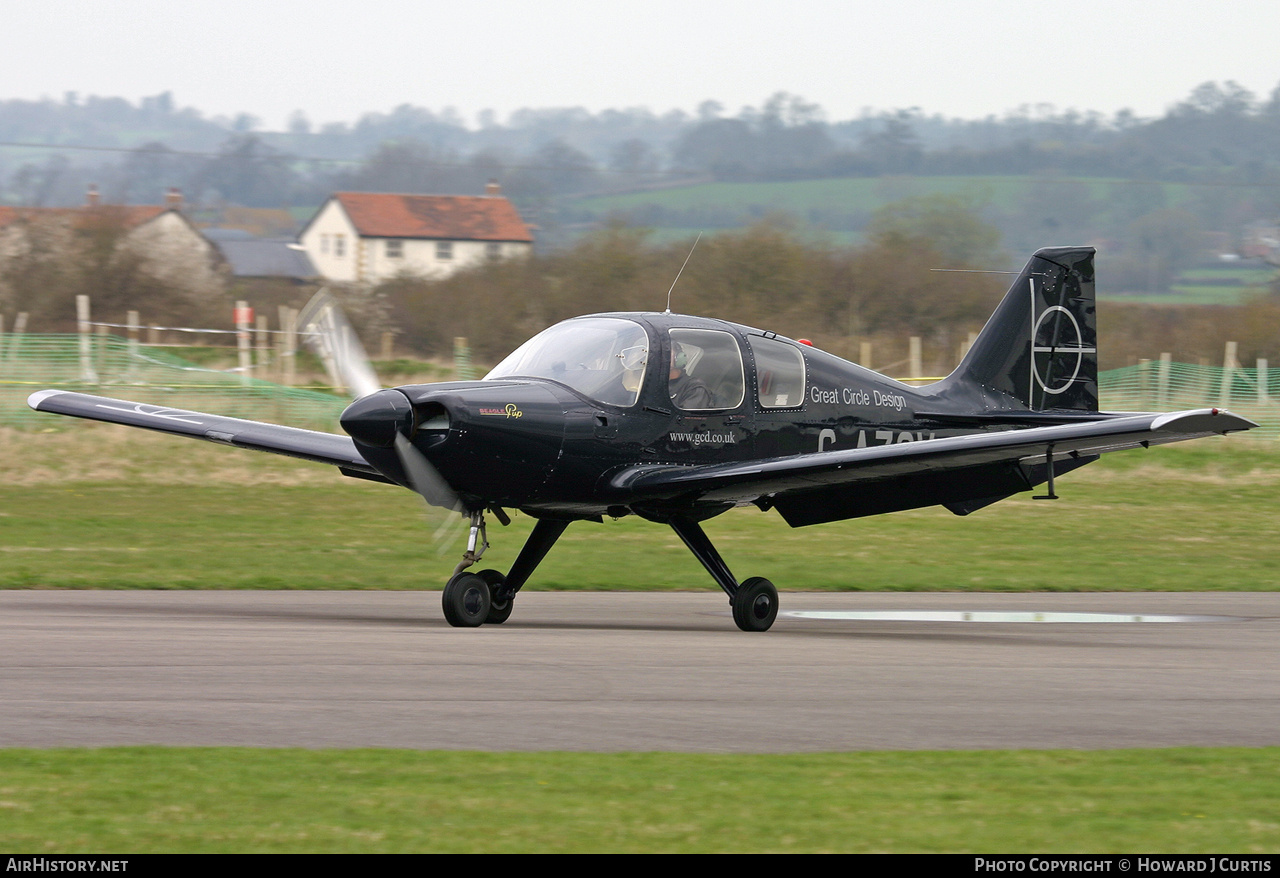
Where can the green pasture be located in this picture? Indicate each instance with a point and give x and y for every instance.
(852, 194)
(95, 506)
(146, 800)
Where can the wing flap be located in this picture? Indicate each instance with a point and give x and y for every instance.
(309, 445)
(737, 482)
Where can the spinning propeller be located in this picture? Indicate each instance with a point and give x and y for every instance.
(378, 417)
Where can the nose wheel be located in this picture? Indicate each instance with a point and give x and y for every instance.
(486, 598)
(467, 600)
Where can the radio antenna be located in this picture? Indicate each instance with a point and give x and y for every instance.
(681, 271)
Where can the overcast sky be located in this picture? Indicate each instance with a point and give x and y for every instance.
(337, 60)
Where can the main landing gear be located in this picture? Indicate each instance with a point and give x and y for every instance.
(754, 602)
(474, 599)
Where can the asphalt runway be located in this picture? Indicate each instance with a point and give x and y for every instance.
(604, 672)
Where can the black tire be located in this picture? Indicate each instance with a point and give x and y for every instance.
(466, 601)
(499, 610)
(755, 605)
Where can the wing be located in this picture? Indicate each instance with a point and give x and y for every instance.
(962, 473)
(339, 451)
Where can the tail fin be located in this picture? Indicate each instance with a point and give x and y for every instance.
(1040, 347)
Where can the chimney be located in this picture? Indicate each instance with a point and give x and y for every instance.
(91, 197)
(492, 189)
(173, 198)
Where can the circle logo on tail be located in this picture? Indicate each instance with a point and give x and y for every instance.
(1057, 349)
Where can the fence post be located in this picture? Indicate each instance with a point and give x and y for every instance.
(15, 337)
(87, 372)
(289, 344)
(864, 354)
(242, 340)
(388, 345)
(264, 351)
(462, 358)
(1229, 366)
(1261, 375)
(914, 368)
(132, 320)
(1162, 380)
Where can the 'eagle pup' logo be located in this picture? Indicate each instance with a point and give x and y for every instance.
(509, 412)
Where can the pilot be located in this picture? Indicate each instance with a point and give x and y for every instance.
(687, 392)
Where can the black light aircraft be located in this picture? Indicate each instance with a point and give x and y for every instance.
(677, 419)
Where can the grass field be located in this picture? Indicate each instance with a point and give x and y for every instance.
(95, 506)
(105, 507)
(136, 800)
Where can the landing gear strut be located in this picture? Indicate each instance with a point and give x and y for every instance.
(473, 599)
(754, 602)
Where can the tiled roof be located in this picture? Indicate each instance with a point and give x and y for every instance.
(126, 216)
(453, 217)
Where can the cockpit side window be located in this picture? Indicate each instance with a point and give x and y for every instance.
(779, 372)
(705, 372)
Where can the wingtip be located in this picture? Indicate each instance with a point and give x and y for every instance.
(40, 396)
(1214, 420)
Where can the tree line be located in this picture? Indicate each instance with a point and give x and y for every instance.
(1218, 133)
(771, 275)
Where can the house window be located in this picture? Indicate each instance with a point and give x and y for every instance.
(444, 250)
(339, 246)
(493, 250)
(395, 249)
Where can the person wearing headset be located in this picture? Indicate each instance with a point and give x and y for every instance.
(687, 392)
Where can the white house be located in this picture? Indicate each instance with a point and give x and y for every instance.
(367, 237)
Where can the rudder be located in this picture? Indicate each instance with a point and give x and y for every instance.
(1040, 346)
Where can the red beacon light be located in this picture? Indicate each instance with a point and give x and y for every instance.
(805, 341)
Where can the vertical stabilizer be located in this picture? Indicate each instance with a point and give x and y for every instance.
(1040, 347)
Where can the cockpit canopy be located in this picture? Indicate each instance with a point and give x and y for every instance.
(603, 358)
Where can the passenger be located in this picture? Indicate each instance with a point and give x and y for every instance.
(687, 392)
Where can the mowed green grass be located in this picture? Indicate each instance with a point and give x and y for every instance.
(142, 800)
(94, 506)
(97, 508)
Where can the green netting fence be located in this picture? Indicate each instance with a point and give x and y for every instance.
(114, 366)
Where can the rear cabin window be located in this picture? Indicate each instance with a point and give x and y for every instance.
(779, 372)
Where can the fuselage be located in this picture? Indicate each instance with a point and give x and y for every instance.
(544, 431)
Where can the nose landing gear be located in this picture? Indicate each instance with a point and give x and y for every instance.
(473, 599)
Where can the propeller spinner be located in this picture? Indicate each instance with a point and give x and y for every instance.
(378, 418)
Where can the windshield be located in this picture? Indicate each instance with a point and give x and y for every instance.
(603, 358)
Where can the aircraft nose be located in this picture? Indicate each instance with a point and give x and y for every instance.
(376, 419)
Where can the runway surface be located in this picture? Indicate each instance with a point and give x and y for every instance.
(575, 671)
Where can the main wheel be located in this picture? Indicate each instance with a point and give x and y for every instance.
(499, 610)
(466, 601)
(755, 605)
